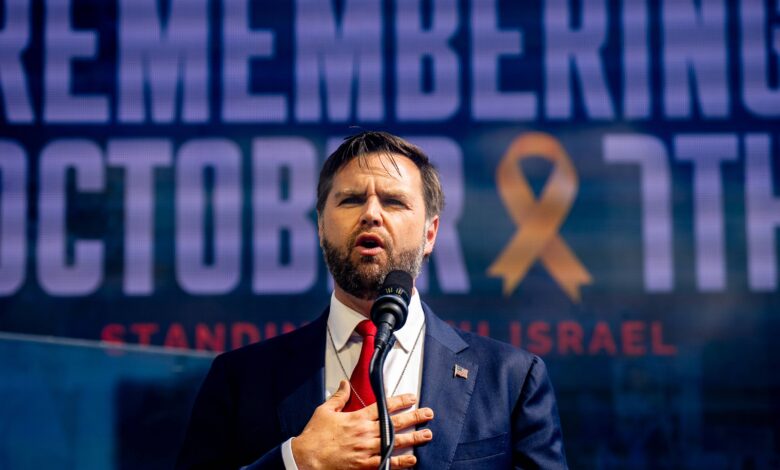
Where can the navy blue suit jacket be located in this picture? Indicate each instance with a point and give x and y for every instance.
(503, 415)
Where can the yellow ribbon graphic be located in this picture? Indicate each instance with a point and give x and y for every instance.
(538, 220)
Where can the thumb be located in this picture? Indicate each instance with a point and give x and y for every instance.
(339, 399)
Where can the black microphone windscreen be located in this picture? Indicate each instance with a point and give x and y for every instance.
(392, 300)
(402, 279)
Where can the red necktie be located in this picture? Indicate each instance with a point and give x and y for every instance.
(361, 385)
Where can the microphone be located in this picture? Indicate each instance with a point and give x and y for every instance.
(388, 313)
(391, 307)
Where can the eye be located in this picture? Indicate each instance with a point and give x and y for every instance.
(391, 201)
(350, 200)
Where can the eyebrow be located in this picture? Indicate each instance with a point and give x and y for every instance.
(348, 192)
(394, 194)
(383, 194)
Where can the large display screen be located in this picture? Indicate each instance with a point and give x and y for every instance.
(611, 172)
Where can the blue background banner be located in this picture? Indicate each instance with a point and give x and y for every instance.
(158, 166)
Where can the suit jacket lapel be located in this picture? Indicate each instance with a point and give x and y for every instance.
(442, 391)
(302, 382)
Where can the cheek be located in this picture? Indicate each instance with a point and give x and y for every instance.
(413, 233)
(335, 230)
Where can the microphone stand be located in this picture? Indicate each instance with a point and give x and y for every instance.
(376, 376)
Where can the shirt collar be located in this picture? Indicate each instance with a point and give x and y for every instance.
(342, 321)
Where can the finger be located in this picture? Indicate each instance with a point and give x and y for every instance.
(339, 399)
(412, 418)
(411, 439)
(401, 461)
(393, 404)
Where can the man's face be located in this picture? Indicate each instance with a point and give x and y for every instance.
(374, 222)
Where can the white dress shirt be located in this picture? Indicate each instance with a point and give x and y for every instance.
(403, 366)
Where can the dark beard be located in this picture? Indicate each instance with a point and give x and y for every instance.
(364, 280)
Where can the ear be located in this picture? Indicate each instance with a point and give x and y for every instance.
(431, 229)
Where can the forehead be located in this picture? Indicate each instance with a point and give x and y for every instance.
(387, 171)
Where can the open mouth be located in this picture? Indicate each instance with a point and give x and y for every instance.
(369, 244)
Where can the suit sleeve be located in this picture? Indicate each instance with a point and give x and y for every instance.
(537, 440)
(210, 437)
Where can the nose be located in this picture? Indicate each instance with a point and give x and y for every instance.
(372, 213)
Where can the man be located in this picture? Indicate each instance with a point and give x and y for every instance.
(298, 400)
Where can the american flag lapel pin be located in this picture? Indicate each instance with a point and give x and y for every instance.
(459, 371)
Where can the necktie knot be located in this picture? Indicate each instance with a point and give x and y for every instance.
(366, 328)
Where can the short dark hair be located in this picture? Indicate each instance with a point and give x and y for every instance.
(368, 142)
